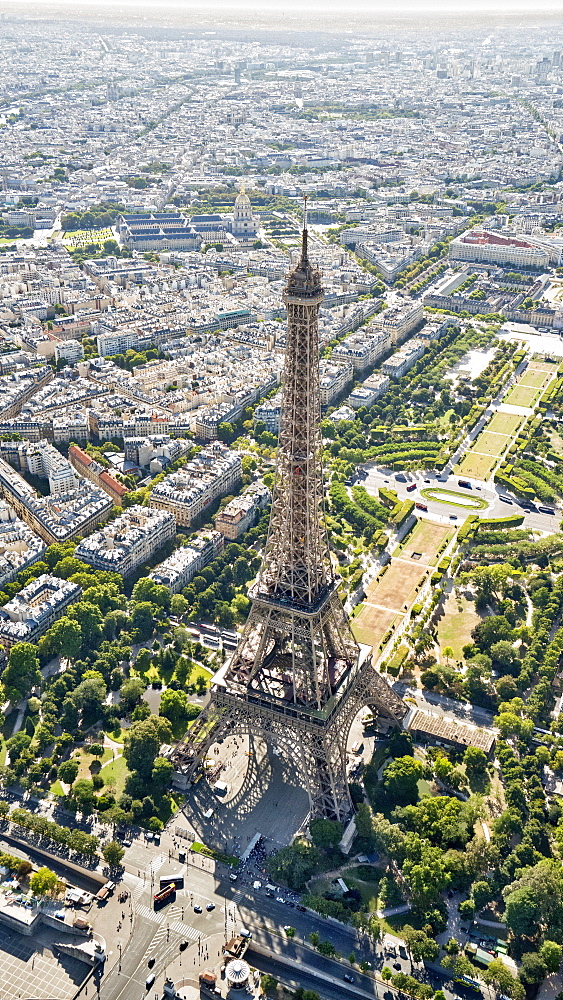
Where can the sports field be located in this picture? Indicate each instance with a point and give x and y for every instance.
(531, 384)
(523, 395)
(426, 539)
(476, 466)
(390, 598)
(504, 423)
(372, 623)
(489, 443)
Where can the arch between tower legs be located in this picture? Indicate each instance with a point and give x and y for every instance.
(317, 752)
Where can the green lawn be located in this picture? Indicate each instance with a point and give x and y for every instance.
(522, 395)
(489, 443)
(476, 466)
(115, 773)
(116, 734)
(464, 500)
(454, 629)
(56, 788)
(504, 423)
(85, 759)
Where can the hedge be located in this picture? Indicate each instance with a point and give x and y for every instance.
(515, 484)
(510, 521)
(388, 497)
(403, 513)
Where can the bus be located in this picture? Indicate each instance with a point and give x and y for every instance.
(164, 896)
(468, 983)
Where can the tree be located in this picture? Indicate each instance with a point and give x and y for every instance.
(131, 691)
(142, 743)
(155, 593)
(43, 882)
(535, 900)
(492, 630)
(178, 605)
(22, 672)
(421, 947)
(64, 638)
(551, 953)
(533, 968)
(142, 619)
(482, 894)
(173, 705)
(268, 983)
(326, 833)
(364, 821)
(500, 977)
(83, 794)
(161, 774)
(448, 653)
(475, 761)
(68, 771)
(400, 779)
(113, 852)
(90, 694)
(17, 745)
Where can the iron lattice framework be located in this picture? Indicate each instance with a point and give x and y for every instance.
(298, 677)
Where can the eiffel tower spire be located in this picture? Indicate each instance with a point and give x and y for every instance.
(298, 676)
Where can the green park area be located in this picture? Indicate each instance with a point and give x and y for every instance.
(81, 238)
(484, 455)
(455, 624)
(531, 384)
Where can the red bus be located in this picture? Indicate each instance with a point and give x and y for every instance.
(421, 506)
(164, 896)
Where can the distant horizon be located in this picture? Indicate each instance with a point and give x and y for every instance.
(365, 9)
(333, 6)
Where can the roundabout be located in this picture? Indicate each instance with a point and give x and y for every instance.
(451, 497)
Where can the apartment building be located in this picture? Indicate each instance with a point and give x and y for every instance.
(70, 351)
(31, 612)
(362, 349)
(400, 320)
(129, 541)
(370, 390)
(43, 460)
(334, 378)
(186, 562)
(19, 546)
(155, 451)
(402, 360)
(86, 466)
(239, 514)
(59, 518)
(213, 473)
(121, 340)
(269, 412)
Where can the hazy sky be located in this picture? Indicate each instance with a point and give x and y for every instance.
(277, 7)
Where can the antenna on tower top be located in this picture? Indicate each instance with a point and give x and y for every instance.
(304, 240)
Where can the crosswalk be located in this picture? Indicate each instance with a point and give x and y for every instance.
(237, 896)
(157, 863)
(180, 928)
(137, 891)
(145, 913)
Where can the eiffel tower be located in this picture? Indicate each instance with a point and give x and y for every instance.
(298, 678)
